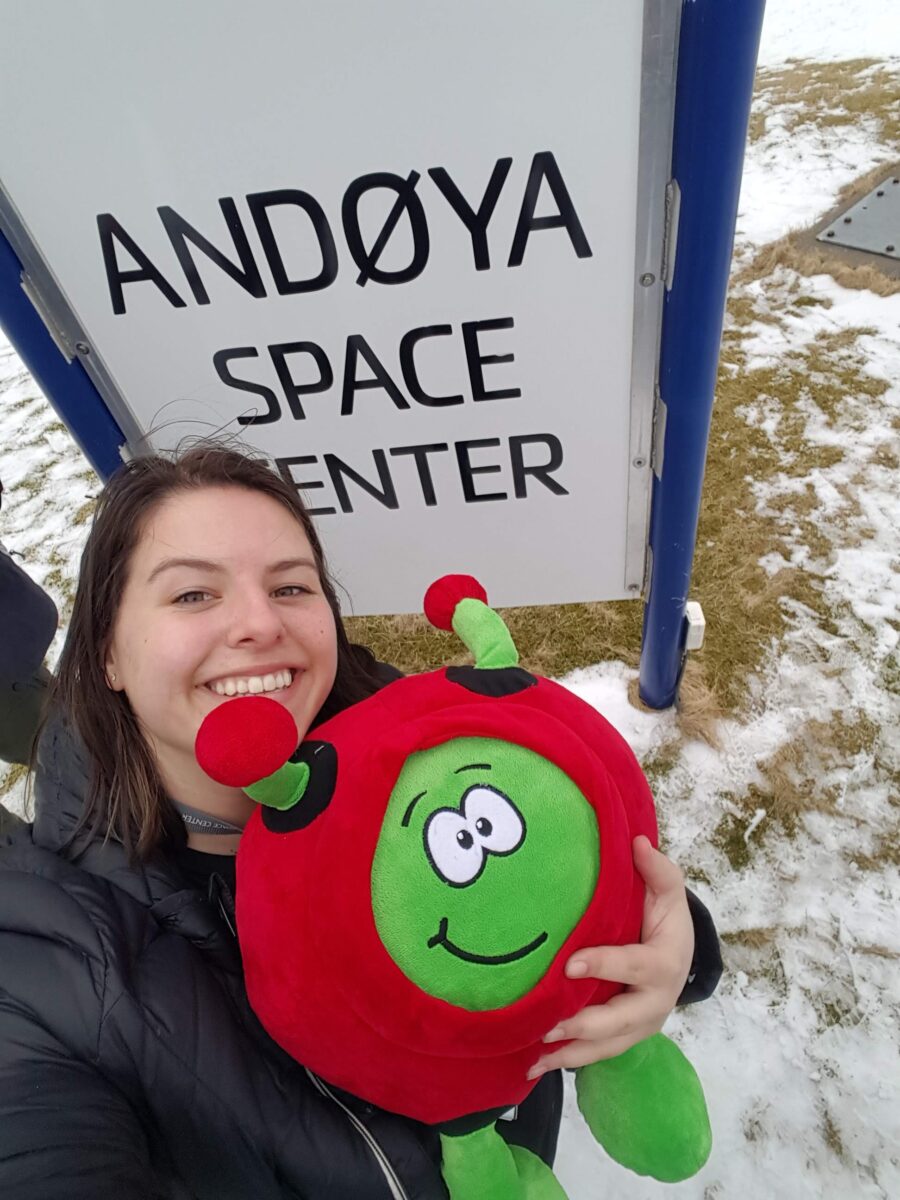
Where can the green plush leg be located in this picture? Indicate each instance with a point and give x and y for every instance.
(481, 1166)
(646, 1109)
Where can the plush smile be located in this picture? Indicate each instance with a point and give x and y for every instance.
(441, 939)
(253, 685)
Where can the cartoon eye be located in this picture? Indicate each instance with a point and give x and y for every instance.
(494, 819)
(455, 853)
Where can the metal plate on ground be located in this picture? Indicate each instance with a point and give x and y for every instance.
(872, 224)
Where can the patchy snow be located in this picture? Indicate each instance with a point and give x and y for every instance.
(797, 1049)
(774, 201)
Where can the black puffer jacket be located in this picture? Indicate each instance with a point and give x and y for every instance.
(131, 1066)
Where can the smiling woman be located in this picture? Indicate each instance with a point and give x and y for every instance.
(202, 577)
(222, 591)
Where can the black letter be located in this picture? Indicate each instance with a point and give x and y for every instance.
(108, 228)
(259, 203)
(180, 233)
(293, 390)
(544, 166)
(221, 359)
(408, 366)
(539, 471)
(466, 470)
(475, 222)
(406, 199)
(420, 453)
(284, 467)
(476, 359)
(387, 496)
(356, 345)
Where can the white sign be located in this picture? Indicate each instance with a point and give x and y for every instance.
(393, 245)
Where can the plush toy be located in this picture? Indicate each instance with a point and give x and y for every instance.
(413, 883)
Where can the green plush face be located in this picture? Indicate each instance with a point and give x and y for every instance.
(487, 859)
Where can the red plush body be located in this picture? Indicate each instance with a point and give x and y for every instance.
(317, 974)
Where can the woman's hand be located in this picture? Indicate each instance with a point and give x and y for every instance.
(654, 972)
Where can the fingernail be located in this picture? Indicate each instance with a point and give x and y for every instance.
(576, 969)
(536, 1071)
(555, 1035)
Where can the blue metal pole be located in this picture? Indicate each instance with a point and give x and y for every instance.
(717, 52)
(67, 386)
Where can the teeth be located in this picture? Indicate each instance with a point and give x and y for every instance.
(253, 685)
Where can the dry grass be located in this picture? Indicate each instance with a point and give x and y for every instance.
(697, 707)
(837, 94)
(795, 782)
(551, 640)
(753, 939)
(793, 252)
(885, 852)
(85, 512)
(12, 776)
(875, 950)
(60, 584)
(831, 1134)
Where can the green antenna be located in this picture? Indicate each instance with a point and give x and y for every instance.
(459, 602)
(283, 788)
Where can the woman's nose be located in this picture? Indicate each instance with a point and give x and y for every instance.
(254, 618)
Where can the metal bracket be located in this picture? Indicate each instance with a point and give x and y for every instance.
(658, 449)
(42, 308)
(648, 572)
(670, 240)
(696, 625)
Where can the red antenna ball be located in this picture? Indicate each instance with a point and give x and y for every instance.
(245, 739)
(445, 593)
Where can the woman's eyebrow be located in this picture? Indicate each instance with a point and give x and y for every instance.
(197, 564)
(203, 564)
(290, 564)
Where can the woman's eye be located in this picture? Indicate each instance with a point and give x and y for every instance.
(293, 589)
(195, 597)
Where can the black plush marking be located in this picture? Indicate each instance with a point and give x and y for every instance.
(321, 757)
(491, 681)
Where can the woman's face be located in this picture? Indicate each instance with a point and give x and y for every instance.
(222, 598)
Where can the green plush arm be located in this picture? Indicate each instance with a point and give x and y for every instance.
(647, 1110)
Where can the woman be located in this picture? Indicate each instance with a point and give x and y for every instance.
(131, 1065)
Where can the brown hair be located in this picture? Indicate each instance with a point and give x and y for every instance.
(126, 799)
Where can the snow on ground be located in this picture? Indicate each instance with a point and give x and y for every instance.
(797, 1050)
(774, 201)
(829, 31)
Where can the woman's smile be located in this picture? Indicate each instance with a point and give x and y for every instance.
(263, 681)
